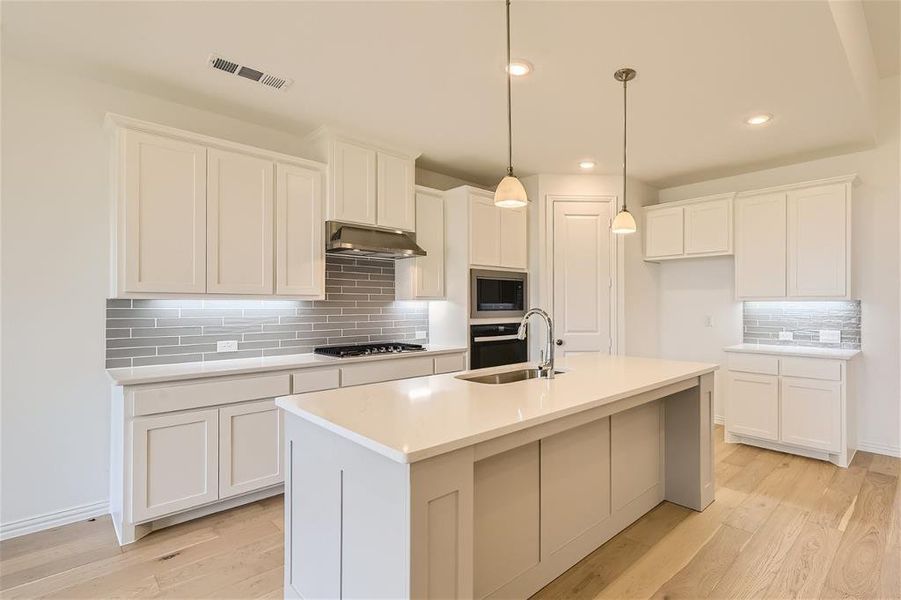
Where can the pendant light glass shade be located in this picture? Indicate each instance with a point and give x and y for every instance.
(624, 222)
(510, 193)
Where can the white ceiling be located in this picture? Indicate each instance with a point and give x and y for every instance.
(429, 75)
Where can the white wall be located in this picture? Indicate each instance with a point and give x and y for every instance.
(54, 413)
(691, 290)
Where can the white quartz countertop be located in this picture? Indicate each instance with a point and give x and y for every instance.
(240, 366)
(414, 419)
(807, 351)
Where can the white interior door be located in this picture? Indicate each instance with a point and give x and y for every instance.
(582, 276)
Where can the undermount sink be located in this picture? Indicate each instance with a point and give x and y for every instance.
(505, 376)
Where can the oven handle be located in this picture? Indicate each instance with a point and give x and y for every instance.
(496, 338)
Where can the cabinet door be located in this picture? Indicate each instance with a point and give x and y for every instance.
(811, 413)
(299, 248)
(239, 224)
(396, 194)
(708, 227)
(484, 232)
(514, 238)
(163, 215)
(429, 269)
(352, 179)
(175, 462)
(664, 235)
(818, 242)
(753, 405)
(251, 440)
(760, 246)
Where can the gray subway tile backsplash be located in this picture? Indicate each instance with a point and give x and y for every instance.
(359, 307)
(763, 321)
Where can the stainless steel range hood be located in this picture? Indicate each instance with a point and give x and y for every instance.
(358, 240)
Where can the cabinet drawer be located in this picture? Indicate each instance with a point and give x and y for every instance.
(450, 363)
(386, 370)
(313, 381)
(812, 368)
(754, 363)
(195, 395)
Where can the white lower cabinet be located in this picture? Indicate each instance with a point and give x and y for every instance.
(250, 447)
(811, 413)
(793, 404)
(175, 459)
(754, 405)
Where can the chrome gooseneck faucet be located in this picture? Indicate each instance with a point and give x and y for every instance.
(546, 366)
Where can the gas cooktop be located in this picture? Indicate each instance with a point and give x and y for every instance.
(367, 349)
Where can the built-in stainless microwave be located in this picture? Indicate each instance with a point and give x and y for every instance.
(497, 294)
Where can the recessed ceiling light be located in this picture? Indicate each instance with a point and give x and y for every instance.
(586, 164)
(758, 119)
(519, 68)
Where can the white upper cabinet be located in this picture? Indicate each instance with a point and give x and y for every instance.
(240, 206)
(498, 237)
(423, 277)
(689, 228)
(161, 207)
(368, 183)
(818, 248)
(514, 238)
(794, 242)
(760, 232)
(664, 236)
(352, 179)
(484, 231)
(200, 215)
(396, 207)
(299, 245)
(708, 227)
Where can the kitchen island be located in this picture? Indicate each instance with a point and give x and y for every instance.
(441, 487)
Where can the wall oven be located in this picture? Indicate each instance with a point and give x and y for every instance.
(494, 345)
(496, 294)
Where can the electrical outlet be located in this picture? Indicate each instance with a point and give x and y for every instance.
(227, 346)
(786, 336)
(708, 321)
(421, 335)
(831, 336)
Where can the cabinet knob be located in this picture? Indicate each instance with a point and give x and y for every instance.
(559, 342)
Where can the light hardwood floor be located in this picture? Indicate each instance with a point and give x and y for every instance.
(781, 527)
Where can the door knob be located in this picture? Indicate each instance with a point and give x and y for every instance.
(559, 342)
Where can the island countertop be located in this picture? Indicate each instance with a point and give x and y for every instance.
(414, 419)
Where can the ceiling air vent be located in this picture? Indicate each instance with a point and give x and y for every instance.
(261, 77)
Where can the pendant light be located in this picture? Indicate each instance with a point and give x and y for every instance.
(624, 222)
(509, 193)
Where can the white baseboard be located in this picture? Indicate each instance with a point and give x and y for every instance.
(877, 448)
(53, 519)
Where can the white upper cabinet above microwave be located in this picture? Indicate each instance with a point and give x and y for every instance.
(498, 237)
(368, 183)
(689, 228)
(794, 241)
(199, 215)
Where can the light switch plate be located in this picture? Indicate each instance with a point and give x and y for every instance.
(227, 346)
(786, 336)
(831, 336)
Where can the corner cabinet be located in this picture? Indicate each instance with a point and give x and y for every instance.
(498, 237)
(199, 215)
(422, 278)
(368, 182)
(794, 242)
(689, 228)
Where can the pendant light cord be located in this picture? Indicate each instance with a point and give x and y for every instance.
(509, 111)
(625, 83)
